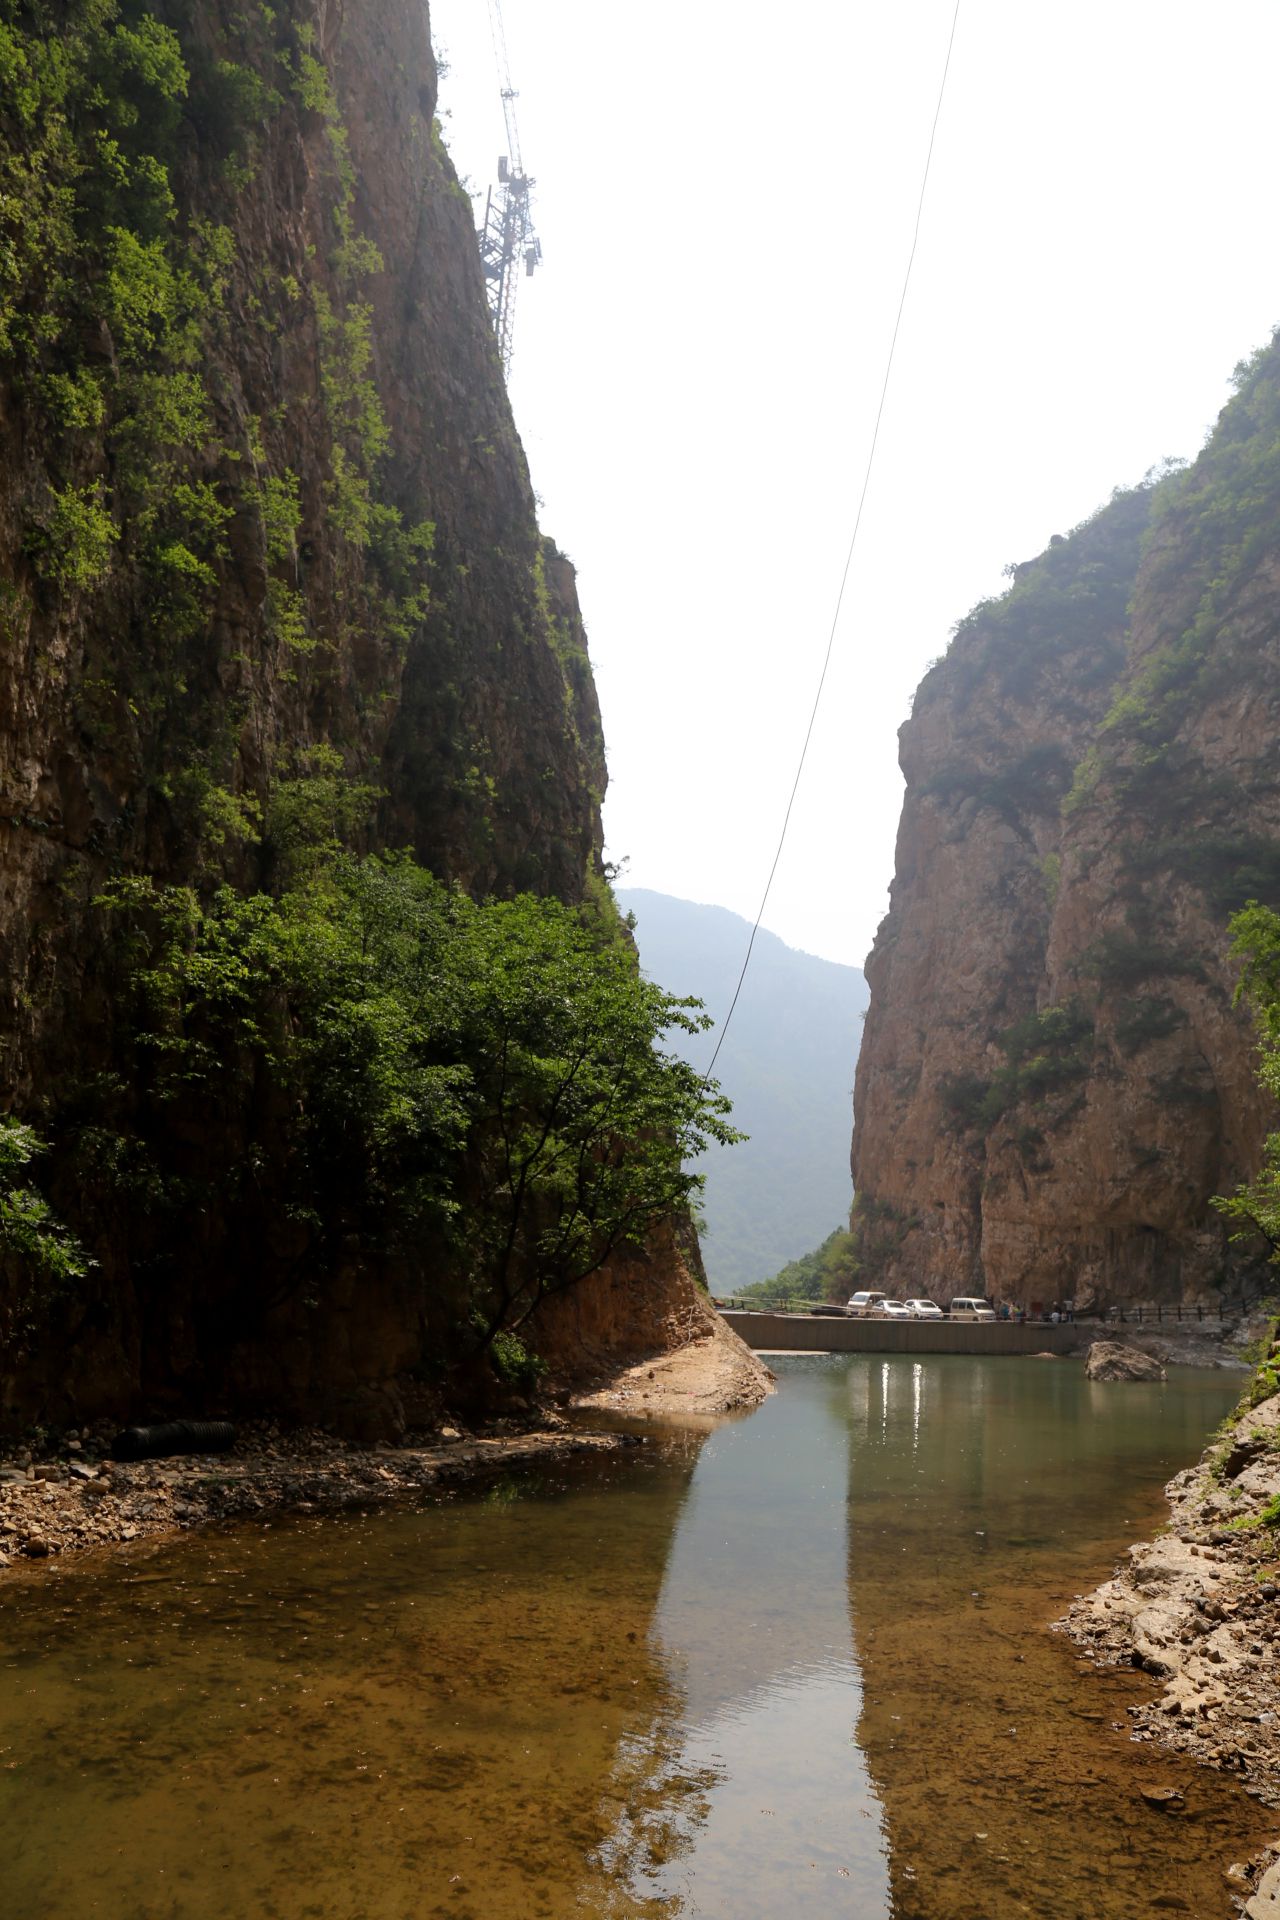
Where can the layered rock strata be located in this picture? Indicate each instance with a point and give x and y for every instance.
(1055, 1078)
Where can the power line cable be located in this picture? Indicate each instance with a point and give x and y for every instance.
(853, 541)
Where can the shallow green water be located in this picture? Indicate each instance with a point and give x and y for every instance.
(794, 1667)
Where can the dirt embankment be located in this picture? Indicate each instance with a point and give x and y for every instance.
(716, 1374)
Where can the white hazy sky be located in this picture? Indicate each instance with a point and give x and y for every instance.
(725, 197)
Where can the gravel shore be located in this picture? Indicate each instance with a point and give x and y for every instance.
(75, 1498)
(1199, 1609)
(70, 1496)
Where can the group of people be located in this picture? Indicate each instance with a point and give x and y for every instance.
(1061, 1312)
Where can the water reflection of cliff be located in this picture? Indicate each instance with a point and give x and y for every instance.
(981, 1495)
(753, 1628)
(631, 1692)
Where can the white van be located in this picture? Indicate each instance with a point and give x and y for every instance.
(863, 1305)
(967, 1308)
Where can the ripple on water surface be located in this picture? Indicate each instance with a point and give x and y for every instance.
(793, 1668)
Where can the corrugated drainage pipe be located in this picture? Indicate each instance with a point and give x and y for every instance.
(173, 1436)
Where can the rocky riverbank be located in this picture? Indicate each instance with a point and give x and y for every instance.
(69, 1495)
(73, 1497)
(1190, 1343)
(1199, 1609)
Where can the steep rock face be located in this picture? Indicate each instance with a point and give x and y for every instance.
(261, 499)
(479, 721)
(1054, 1080)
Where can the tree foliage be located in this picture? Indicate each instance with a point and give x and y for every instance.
(486, 1077)
(29, 1227)
(830, 1272)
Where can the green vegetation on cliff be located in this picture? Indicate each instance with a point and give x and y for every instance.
(117, 290)
(325, 1054)
(412, 1063)
(830, 1272)
(1052, 1055)
(1043, 1054)
(1075, 594)
(1214, 524)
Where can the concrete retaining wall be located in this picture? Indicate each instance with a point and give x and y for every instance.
(827, 1333)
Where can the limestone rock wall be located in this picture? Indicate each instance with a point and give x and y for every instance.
(261, 496)
(1054, 1079)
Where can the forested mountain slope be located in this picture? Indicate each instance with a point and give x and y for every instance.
(787, 1064)
(1054, 1080)
(272, 599)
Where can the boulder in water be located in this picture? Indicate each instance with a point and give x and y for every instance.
(1109, 1360)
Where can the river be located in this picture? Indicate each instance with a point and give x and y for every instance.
(792, 1666)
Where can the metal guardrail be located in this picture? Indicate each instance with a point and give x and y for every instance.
(774, 1306)
(1155, 1313)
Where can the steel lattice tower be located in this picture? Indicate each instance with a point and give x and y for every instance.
(507, 238)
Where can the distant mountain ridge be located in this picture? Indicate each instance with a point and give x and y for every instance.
(787, 1064)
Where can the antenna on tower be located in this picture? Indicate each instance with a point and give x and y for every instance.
(507, 238)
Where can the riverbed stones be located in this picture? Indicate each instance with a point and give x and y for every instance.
(1110, 1360)
(1166, 1799)
(307, 1471)
(1196, 1607)
(1265, 1904)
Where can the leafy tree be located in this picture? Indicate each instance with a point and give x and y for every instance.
(41, 1258)
(584, 1122)
(422, 1070)
(28, 1225)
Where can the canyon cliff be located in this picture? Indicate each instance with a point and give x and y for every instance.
(1055, 1078)
(270, 579)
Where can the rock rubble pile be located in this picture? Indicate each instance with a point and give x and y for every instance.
(1199, 1609)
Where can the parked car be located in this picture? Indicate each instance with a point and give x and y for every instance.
(971, 1308)
(924, 1310)
(896, 1310)
(865, 1304)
